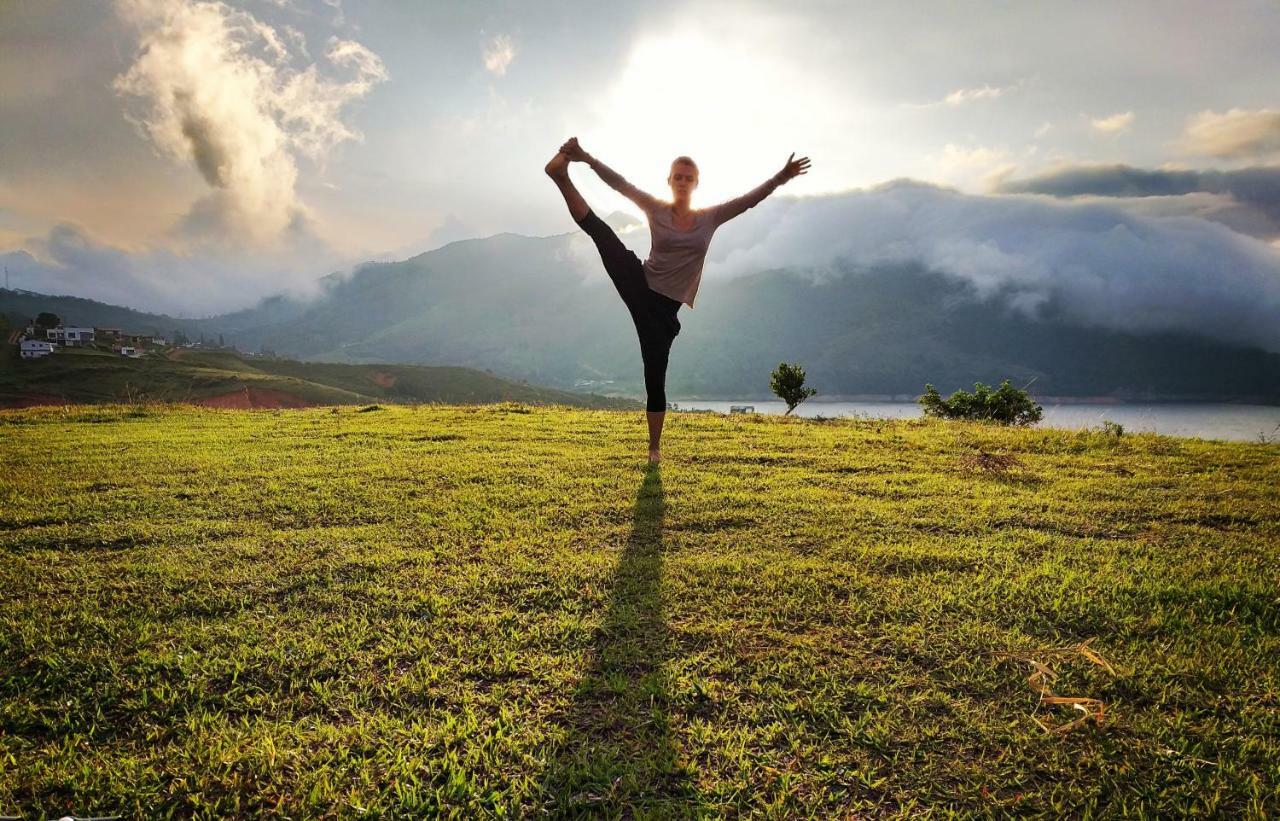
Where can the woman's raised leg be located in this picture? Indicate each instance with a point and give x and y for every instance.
(558, 170)
(625, 270)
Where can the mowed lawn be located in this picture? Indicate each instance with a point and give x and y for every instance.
(497, 611)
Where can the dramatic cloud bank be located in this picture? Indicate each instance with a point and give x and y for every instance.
(222, 90)
(1095, 263)
(1247, 199)
(69, 261)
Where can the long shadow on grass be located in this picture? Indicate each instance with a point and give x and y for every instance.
(619, 757)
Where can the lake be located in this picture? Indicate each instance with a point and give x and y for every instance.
(1202, 419)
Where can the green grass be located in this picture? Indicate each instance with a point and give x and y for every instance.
(481, 611)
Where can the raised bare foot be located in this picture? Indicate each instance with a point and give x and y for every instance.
(558, 167)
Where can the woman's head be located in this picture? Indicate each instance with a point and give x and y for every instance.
(683, 177)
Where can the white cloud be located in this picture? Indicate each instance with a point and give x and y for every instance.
(1044, 129)
(979, 168)
(498, 54)
(964, 96)
(1115, 124)
(221, 90)
(1235, 134)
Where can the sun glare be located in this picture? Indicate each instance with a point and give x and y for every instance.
(733, 106)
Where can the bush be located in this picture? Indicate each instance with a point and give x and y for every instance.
(1110, 428)
(1006, 405)
(787, 381)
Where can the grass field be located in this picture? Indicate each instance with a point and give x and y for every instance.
(480, 611)
(92, 376)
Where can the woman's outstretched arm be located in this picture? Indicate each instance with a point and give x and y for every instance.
(613, 179)
(726, 211)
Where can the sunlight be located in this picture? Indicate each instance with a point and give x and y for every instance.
(733, 105)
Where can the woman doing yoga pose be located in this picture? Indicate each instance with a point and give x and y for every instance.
(679, 236)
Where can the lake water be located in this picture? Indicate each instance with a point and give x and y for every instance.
(1203, 420)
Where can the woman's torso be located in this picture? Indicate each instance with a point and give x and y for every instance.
(677, 248)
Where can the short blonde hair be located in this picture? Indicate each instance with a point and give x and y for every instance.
(688, 160)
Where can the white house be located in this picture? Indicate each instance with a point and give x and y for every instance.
(36, 348)
(70, 336)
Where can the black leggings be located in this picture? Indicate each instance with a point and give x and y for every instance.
(654, 314)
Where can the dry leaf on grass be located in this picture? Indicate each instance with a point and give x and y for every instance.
(1042, 676)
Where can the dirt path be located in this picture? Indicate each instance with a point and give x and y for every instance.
(250, 397)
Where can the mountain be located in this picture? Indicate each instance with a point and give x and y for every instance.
(542, 309)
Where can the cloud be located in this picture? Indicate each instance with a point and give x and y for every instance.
(498, 54)
(1044, 129)
(222, 90)
(1247, 199)
(964, 96)
(980, 167)
(1092, 263)
(1115, 124)
(1234, 135)
(70, 261)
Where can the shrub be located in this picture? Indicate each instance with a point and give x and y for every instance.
(1006, 405)
(1110, 428)
(787, 381)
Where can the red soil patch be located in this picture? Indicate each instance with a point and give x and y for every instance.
(31, 400)
(383, 379)
(248, 397)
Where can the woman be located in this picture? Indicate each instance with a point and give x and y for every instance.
(679, 236)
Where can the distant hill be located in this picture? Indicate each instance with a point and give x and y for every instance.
(21, 306)
(226, 379)
(534, 308)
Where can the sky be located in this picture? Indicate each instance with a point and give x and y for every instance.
(193, 157)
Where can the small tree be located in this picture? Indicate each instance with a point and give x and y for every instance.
(787, 381)
(47, 320)
(1006, 405)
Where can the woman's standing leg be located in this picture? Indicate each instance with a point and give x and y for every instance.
(655, 350)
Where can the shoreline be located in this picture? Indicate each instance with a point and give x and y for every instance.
(896, 399)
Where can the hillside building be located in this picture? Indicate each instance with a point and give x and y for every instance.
(72, 337)
(36, 348)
